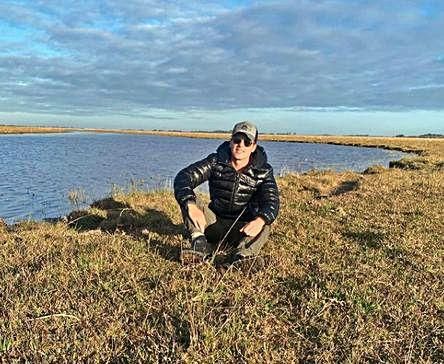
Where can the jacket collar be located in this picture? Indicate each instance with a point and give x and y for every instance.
(258, 158)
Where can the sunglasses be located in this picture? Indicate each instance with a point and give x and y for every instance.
(237, 138)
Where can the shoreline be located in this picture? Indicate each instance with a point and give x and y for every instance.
(424, 147)
(427, 152)
(18, 129)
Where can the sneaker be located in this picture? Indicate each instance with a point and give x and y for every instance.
(199, 252)
(200, 244)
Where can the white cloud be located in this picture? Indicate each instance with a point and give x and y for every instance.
(123, 56)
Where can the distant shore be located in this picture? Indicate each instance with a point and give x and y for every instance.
(18, 129)
(426, 147)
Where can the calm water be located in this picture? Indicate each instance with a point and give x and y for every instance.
(38, 171)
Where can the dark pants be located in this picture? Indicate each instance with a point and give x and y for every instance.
(235, 242)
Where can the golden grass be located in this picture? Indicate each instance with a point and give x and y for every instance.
(354, 274)
(17, 129)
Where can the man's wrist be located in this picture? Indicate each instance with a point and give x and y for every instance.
(261, 219)
(189, 204)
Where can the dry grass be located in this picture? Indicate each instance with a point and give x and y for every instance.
(17, 129)
(354, 274)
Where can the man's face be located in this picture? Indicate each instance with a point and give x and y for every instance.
(241, 147)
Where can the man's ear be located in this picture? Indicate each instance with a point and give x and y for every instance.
(254, 148)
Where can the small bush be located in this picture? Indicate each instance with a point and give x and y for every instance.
(375, 169)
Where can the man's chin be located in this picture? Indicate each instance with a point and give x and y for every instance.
(239, 157)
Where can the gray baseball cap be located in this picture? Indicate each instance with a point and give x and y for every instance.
(247, 128)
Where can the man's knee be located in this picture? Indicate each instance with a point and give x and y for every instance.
(251, 246)
(210, 217)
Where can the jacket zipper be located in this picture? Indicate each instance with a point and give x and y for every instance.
(236, 184)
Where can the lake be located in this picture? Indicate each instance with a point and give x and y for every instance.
(37, 171)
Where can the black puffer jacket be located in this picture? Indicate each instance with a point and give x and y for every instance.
(231, 191)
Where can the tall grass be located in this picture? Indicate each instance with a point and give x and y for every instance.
(354, 274)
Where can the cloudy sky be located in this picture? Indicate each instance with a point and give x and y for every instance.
(304, 66)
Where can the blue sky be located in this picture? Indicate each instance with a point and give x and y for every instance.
(310, 67)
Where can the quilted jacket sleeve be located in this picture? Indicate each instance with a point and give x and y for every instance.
(191, 177)
(268, 199)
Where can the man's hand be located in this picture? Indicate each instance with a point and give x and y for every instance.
(197, 216)
(254, 227)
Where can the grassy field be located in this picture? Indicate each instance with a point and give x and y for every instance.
(354, 274)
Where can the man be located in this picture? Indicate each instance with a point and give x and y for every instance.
(244, 200)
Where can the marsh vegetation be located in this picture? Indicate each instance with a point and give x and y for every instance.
(354, 273)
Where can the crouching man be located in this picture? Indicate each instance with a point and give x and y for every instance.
(244, 200)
